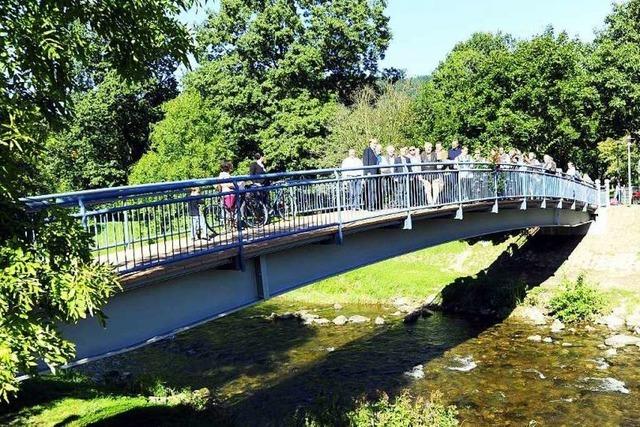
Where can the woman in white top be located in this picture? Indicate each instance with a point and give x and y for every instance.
(229, 200)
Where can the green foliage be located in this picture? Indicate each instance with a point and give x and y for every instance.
(531, 94)
(273, 71)
(614, 70)
(51, 280)
(296, 137)
(188, 143)
(577, 301)
(613, 154)
(404, 411)
(108, 133)
(46, 276)
(388, 116)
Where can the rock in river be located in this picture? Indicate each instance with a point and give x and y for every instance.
(557, 326)
(463, 364)
(619, 341)
(358, 319)
(417, 372)
(608, 384)
(534, 338)
(530, 314)
(613, 322)
(340, 320)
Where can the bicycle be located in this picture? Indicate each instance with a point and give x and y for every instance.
(254, 211)
(257, 210)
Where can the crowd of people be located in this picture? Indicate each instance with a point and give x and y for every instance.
(380, 161)
(371, 181)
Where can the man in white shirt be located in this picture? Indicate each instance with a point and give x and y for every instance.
(353, 177)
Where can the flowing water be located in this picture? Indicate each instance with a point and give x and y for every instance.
(263, 371)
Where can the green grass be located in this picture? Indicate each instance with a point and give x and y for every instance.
(81, 412)
(415, 275)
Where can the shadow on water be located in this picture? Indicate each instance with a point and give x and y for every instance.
(241, 346)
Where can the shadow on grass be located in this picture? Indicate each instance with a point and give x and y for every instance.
(497, 290)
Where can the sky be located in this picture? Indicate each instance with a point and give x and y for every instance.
(424, 31)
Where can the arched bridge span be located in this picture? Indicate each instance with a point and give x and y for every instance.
(293, 230)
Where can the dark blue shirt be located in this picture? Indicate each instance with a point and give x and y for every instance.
(454, 152)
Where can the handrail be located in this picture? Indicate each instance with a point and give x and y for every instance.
(103, 194)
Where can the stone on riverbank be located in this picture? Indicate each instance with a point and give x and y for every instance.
(534, 338)
(358, 319)
(548, 340)
(340, 320)
(613, 322)
(530, 314)
(633, 322)
(379, 321)
(619, 341)
(337, 306)
(557, 326)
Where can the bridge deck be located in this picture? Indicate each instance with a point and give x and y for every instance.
(220, 253)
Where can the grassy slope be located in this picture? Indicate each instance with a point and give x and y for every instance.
(415, 275)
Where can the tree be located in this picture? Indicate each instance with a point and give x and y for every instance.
(534, 95)
(388, 116)
(615, 73)
(108, 133)
(613, 156)
(188, 143)
(271, 66)
(46, 275)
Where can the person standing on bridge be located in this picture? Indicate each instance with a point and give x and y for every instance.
(198, 223)
(257, 168)
(430, 180)
(353, 175)
(455, 150)
(370, 158)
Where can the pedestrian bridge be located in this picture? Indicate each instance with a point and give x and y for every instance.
(186, 257)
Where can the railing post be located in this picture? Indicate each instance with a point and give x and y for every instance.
(459, 214)
(494, 208)
(83, 214)
(607, 191)
(598, 194)
(240, 257)
(524, 179)
(407, 194)
(339, 204)
(543, 205)
(126, 229)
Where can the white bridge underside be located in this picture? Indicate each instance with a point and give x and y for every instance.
(167, 305)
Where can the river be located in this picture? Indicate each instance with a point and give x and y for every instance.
(262, 371)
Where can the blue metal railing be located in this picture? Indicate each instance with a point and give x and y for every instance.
(137, 227)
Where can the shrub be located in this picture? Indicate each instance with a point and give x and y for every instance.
(404, 411)
(578, 301)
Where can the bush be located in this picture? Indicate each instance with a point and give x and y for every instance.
(578, 301)
(404, 411)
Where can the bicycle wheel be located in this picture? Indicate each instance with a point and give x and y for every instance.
(254, 212)
(216, 218)
(285, 206)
